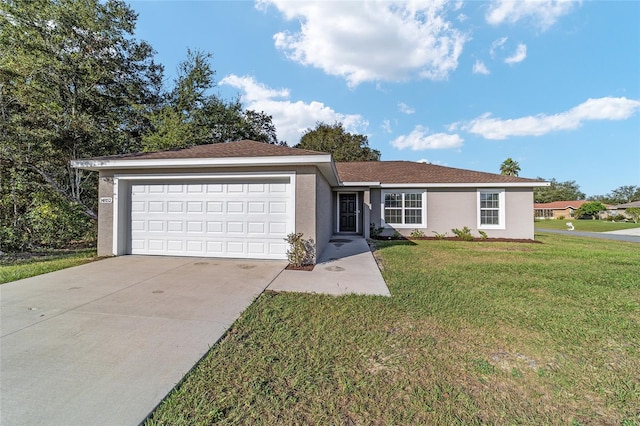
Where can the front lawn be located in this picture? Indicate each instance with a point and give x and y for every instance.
(17, 267)
(585, 225)
(475, 333)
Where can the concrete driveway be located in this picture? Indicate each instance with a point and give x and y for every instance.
(103, 343)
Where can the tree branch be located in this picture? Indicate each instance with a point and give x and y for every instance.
(49, 179)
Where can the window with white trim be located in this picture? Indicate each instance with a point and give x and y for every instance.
(404, 209)
(491, 209)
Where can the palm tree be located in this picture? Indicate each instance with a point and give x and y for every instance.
(509, 167)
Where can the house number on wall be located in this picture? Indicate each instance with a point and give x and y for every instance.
(106, 200)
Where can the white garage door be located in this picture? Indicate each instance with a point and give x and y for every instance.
(239, 219)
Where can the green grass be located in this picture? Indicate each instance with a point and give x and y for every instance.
(17, 267)
(475, 333)
(585, 225)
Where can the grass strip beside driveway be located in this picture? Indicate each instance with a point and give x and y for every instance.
(474, 333)
(585, 225)
(16, 267)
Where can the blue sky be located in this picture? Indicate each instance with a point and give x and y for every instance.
(555, 85)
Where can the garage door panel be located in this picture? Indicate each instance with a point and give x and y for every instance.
(235, 206)
(175, 207)
(226, 219)
(215, 206)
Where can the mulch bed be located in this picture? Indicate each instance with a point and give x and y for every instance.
(291, 267)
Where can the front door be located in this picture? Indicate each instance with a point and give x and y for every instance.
(348, 212)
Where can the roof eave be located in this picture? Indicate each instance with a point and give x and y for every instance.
(466, 185)
(174, 163)
(364, 184)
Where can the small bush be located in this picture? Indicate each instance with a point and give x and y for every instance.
(633, 213)
(561, 217)
(397, 235)
(463, 234)
(440, 236)
(375, 231)
(483, 235)
(301, 252)
(417, 233)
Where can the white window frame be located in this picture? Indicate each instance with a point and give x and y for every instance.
(404, 225)
(501, 209)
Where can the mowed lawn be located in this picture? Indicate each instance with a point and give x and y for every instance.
(475, 333)
(17, 267)
(585, 225)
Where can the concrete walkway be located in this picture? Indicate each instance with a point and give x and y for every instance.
(103, 343)
(628, 235)
(346, 266)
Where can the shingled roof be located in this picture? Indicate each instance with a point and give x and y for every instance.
(560, 205)
(244, 148)
(402, 172)
(384, 172)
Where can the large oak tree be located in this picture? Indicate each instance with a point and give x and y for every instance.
(74, 83)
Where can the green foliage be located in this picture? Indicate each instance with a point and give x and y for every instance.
(301, 251)
(397, 235)
(417, 233)
(483, 234)
(633, 213)
(191, 115)
(74, 83)
(506, 333)
(440, 236)
(32, 215)
(375, 231)
(558, 191)
(591, 208)
(342, 145)
(621, 195)
(509, 167)
(463, 234)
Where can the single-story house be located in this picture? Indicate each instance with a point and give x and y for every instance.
(621, 209)
(241, 199)
(563, 209)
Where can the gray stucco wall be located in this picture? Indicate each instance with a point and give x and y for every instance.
(449, 208)
(105, 215)
(324, 214)
(305, 203)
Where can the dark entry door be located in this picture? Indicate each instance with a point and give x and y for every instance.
(348, 213)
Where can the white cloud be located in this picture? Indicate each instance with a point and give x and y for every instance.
(519, 55)
(253, 90)
(480, 68)
(386, 126)
(420, 139)
(607, 108)
(437, 162)
(497, 45)
(290, 118)
(371, 41)
(542, 13)
(405, 109)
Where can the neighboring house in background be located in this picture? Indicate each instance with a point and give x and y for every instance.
(556, 209)
(241, 199)
(620, 209)
(564, 210)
